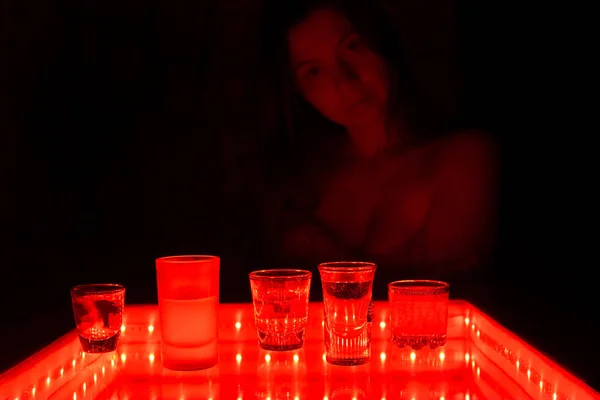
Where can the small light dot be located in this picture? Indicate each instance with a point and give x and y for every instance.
(73, 363)
(95, 378)
(268, 358)
(467, 357)
(83, 355)
(325, 398)
(123, 357)
(467, 321)
(74, 396)
(478, 371)
(84, 386)
(33, 391)
(103, 370)
(151, 358)
(296, 398)
(323, 323)
(413, 356)
(467, 397)
(529, 373)
(324, 357)
(122, 328)
(382, 356)
(478, 333)
(62, 371)
(541, 385)
(442, 356)
(472, 327)
(47, 380)
(518, 363)
(238, 325)
(112, 363)
(238, 358)
(442, 398)
(554, 396)
(150, 328)
(296, 358)
(382, 325)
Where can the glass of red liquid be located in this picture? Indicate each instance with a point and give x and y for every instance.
(348, 307)
(98, 312)
(419, 313)
(188, 300)
(280, 298)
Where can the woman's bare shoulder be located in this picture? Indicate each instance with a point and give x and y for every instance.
(468, 149)
(467, 167)
(470, 142)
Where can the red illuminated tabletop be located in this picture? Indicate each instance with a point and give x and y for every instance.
(481, 360)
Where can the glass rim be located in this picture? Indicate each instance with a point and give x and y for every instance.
(419, 286)
(188, 259)
(287, 274)
(347, 266)
(97, 288)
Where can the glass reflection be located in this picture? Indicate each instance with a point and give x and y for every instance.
(280, 375)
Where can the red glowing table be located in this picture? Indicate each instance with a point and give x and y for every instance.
(481, 360)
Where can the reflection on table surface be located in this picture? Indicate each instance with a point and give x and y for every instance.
(480, 361)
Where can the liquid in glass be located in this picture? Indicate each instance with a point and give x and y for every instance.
(280, 299)
(348, 310)
(98, 312)
(188, 299)
(419, 313)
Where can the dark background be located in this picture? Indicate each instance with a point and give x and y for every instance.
(124, 139)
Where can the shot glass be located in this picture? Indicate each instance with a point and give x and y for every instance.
(419, 313)
(188, 298)
(98, 312)
(280, 298)
(348, 309)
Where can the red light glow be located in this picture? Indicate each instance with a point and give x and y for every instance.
(481, 360)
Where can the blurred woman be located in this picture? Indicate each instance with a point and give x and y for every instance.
(362, 172)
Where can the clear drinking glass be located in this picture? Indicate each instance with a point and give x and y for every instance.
(348, 306)
(280, 298)
(98, 312)
(419, 313)
(188, 298)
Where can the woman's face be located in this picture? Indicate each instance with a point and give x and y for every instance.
(336, 72)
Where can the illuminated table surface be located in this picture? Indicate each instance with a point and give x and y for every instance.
(481, 360)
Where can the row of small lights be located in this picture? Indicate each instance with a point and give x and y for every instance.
(532, 375)
(543, 384)
(238, 357)
(61, 373)
(238, 326)
(151, 358)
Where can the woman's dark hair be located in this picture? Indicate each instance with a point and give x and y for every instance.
(298, 125)
(373, 23)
